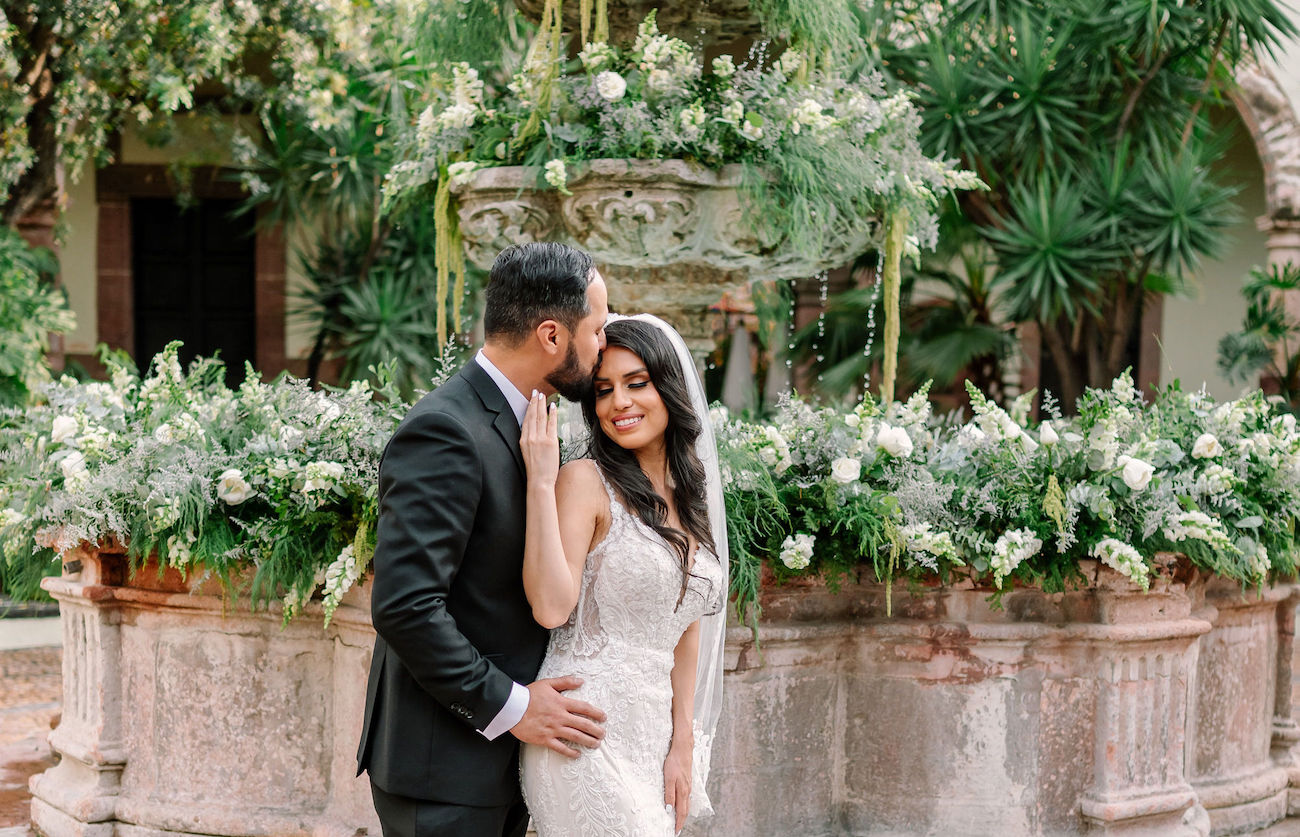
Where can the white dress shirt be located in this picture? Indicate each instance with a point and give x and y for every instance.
(517, 704)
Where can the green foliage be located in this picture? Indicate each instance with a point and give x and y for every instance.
(1269, 340)
(1089, 123)
(72, 74)
(30, 310)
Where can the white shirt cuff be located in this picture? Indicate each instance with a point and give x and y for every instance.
(510, 714)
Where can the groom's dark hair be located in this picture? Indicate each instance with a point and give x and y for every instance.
(533, 282)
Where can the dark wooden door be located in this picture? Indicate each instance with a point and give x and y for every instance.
(193, 271)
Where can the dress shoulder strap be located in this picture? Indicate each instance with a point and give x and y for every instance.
(615, 507)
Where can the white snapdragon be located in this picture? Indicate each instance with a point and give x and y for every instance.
(556, 174)
(611, 86)
(790, 62)
(339, 578)
(1010, 550)
(1047, 434)
(921, 537)
(751, 128)
(660, 80)
(846, 470)
(1216, 481)
(809, 112)
(458, 174)
(457, 117)
(796, 551)
(1122, 387)
(11, 517)
(178, 549)
(597, 55)
(467, 87)
(733, 112)
(1135, 472)
(1256, 556)
(1206, 447)
(1124, 559)
(776, 456)
(894, 441)
(1198, 526)
(63, 429)
(232, 487)
(692, 121)
(724, 66)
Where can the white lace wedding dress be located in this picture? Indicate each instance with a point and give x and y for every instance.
(620, 641)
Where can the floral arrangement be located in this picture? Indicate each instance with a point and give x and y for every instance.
(1006, 502)
(270, 487)
(824, 149)
(179, 467)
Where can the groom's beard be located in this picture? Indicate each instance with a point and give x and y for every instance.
(570, 379)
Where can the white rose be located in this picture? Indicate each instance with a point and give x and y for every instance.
(73, 466)
(1136, 473)
(894, 441)
(163, 434)
(1047, 435)
(611, 86)
(63, 429)
(232, 488)
(853, 420)
(1207, 446)
(846, 470)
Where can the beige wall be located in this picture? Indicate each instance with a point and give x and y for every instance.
(77, 261)
(1192, 326)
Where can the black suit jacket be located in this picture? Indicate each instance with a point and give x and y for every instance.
(453, 626)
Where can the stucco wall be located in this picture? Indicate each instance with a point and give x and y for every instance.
(1192, 325)
(77, 261)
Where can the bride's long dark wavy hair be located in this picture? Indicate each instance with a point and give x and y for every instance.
(687, 475)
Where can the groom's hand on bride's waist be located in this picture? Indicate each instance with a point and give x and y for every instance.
(558, 722)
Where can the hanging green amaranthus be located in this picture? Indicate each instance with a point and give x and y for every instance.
(895, 234)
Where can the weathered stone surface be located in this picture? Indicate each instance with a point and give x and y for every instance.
(1099, 710)
(671, 237)
(1231, 762)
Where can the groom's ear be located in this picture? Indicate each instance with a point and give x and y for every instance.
(550, 337)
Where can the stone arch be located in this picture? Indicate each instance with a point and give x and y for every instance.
(1271, 120)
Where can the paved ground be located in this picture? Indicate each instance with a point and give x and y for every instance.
(30, 683)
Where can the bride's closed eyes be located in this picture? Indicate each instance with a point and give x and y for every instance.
(603, 390)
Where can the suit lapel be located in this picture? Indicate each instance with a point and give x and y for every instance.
(507, 426)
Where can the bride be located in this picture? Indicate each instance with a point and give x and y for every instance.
(625, 556)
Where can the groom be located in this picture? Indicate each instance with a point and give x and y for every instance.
(451, 691)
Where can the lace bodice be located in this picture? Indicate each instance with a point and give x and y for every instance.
(620, 640)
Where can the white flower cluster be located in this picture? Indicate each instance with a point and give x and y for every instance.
(776, 454)
(1011, 549)
(922, 539)
(1197, 526)
(1124, 559)
(556, 174)
(797, 551)
(323, 478)
(340, 575)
